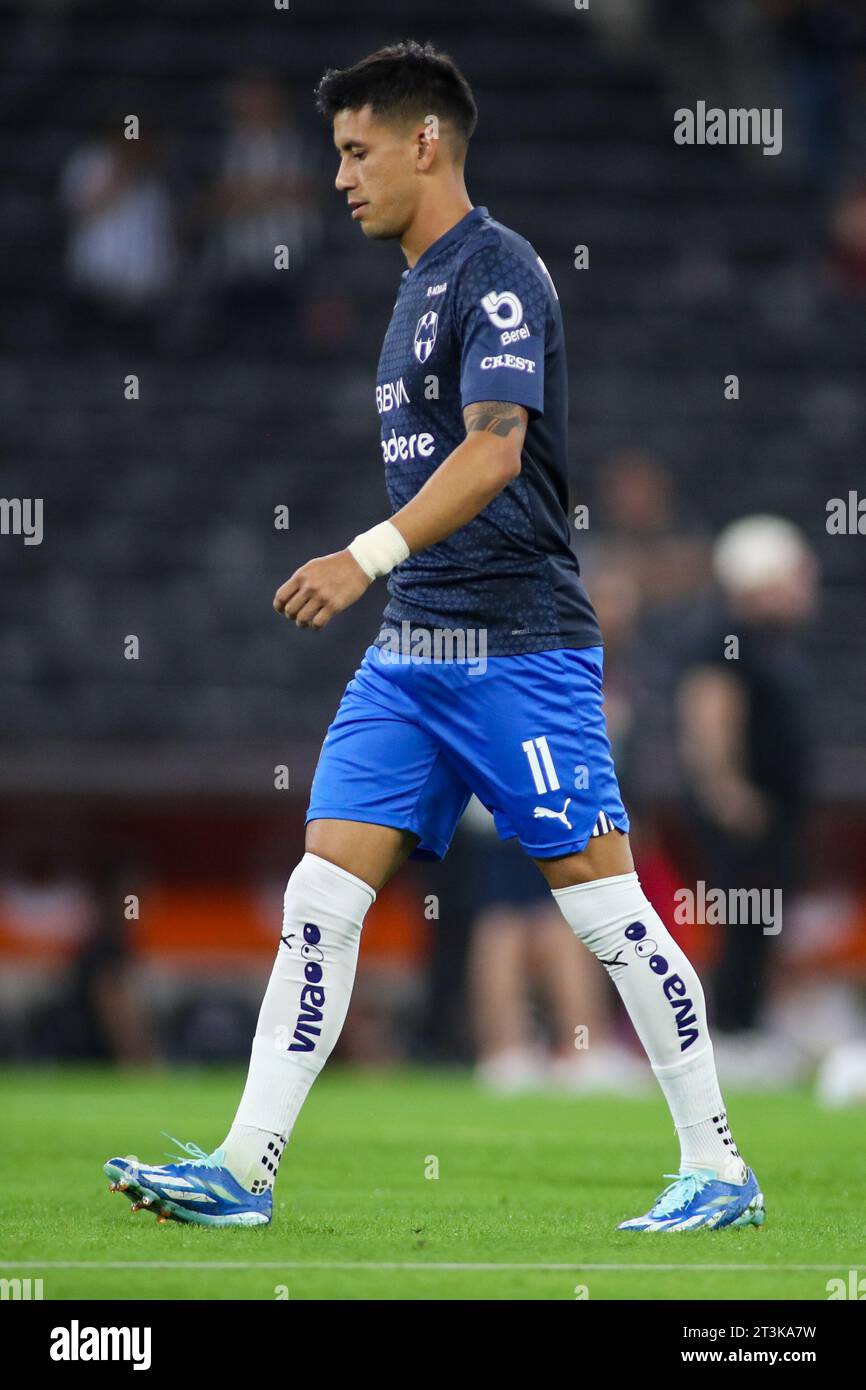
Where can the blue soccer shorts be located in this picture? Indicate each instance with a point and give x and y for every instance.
(413, 739)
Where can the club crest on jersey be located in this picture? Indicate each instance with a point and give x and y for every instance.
(425, 335)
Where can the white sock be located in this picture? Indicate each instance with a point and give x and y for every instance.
(665, 1002)
(302, 1013)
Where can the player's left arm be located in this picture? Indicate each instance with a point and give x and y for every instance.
(462, 486)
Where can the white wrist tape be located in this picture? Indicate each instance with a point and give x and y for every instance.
(379, 549)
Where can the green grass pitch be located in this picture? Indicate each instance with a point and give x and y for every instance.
(525, 1205)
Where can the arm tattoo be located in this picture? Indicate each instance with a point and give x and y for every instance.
(494, 417)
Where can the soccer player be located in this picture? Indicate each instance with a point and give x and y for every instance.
(486, 676)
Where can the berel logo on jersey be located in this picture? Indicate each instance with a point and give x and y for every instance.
(425, 335)
(503, 310)
(436, 289)
(514, 334)
(391, 396)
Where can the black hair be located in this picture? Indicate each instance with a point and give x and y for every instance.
(406, 80)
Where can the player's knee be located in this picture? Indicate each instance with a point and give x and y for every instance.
(372, 853)
(323, 898)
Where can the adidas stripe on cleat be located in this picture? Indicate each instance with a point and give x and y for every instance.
(196, 1189)
(695, 1201)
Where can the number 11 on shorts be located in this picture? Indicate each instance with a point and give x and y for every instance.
(532, 747)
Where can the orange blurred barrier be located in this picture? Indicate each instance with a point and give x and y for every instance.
(193, 921)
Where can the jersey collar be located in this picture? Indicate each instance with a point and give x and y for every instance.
(454, 234)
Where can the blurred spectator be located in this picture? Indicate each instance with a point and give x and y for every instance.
(73, 927)
(103, 991)
(122, 255)
(747, 752)
(616, 598)
(712, 52)
(641, 532)
(262, 198)
(816, 40)
(848, 256)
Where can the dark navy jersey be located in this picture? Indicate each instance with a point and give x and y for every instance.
(477, 319)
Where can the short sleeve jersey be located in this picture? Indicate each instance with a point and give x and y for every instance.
(477, 319)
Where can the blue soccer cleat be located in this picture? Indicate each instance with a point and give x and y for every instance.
(198, 1190)
(695, 1200)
